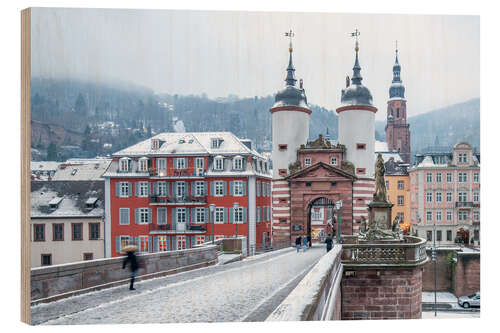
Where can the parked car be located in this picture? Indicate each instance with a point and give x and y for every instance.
(468, 301)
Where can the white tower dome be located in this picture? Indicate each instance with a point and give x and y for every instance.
(357, 124)
(290, 122)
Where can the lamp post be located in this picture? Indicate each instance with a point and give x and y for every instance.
(338, 206)
(236, 205)
(435, 270)
(212, 216)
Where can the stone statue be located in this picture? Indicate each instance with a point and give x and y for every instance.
(380, 194)
(362, 227)
(395, 224)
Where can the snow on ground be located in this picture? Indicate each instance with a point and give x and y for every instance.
(245, 290)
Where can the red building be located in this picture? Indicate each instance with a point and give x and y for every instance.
(176, 190)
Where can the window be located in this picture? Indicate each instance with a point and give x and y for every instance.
(162, 243)
(308, 184)
(438, 177)
(238, 215)
(449, 177)
(449, 215)
(76, 231)
(124, 189)
(161, 166)
(181, 215)
(180, 189)
(438, 197)
(439, 216)
(39, 232)
(476, 215)
(200, 215)
(143, 164)
(143, 243)
(238, 163)
(219, 188)
(124, 164)
(462, 196)
(428, 216)
(428, 197)
(360, 146)
(199, 163)
(282, 147)
(143, 190)
(401, 217)
(199, 189)
(200, 240)
(448, 235)
(219, 215)
(462, 215)
(400, 200)
(161, 216)
(333, 161)
(397, 113)
(361, 171)
(401, 185)
(180, 163)
(125, 241)
(476, 177)
(94, 231)
(387, 184)
(462, 177)
(462, 158)
(238, 187)
(476, 196)
(219, 163)
(57, 232)
(429, 235)
(215, 143)
(307, 161)
(88, 256)
(155, 143)
(161, 188)
(143, 216)
(181, 242)
(46, 259)
(449, 197)
(438, 235)
(282, 172)
(429, 177)
(124, 216)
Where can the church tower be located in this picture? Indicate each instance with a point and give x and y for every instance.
(357, 122)
(290, 121)
(397, 131)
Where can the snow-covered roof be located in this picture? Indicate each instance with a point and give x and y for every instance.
(386, 156)
(44, 165)
(381, 146)
(199, 143)
(66, 199)
(91, 170)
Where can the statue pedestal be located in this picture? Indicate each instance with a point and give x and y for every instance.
(380, 212)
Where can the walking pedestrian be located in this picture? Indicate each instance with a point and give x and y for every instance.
(298, 242)
(134, 265)
(304, 243)
(329, 243)
(309, 241)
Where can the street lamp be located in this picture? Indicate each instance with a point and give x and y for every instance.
(212, 216)
(236, 205)
(435, 269)
(338, 206)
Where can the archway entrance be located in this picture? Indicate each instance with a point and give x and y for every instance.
(320, 219)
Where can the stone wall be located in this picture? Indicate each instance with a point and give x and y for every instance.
(444, 271)
(59, 281)
(467, 278)
(385, 293)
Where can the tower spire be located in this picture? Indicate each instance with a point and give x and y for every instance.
(356, 70)
(290, 75)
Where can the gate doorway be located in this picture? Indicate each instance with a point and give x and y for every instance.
(320, 219)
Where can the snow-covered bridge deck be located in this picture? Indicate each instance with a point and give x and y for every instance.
(247, 290)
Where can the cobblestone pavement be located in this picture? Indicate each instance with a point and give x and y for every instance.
(247, 290)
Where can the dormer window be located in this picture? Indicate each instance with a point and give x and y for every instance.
(143, 164)
(219, 163)
(155, 143)
(238, 163)
(462, 158)
(124, 164)
(216, 142)
(333, 161)
(307, 161)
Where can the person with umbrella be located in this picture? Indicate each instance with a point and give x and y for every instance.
(134, 264)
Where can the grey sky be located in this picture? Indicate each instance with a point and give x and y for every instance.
(246, 53)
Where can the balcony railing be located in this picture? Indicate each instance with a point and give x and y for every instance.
(159, 227)
(464, 204)
(189, 199)
(410, 252)
(176, 173)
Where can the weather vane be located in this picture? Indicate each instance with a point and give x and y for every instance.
(396, 46)
(355, 34)
(290, 34)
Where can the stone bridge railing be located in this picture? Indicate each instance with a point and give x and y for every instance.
(411, 252)
(317, 296)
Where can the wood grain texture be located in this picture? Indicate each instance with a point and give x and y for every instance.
(25, 163)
